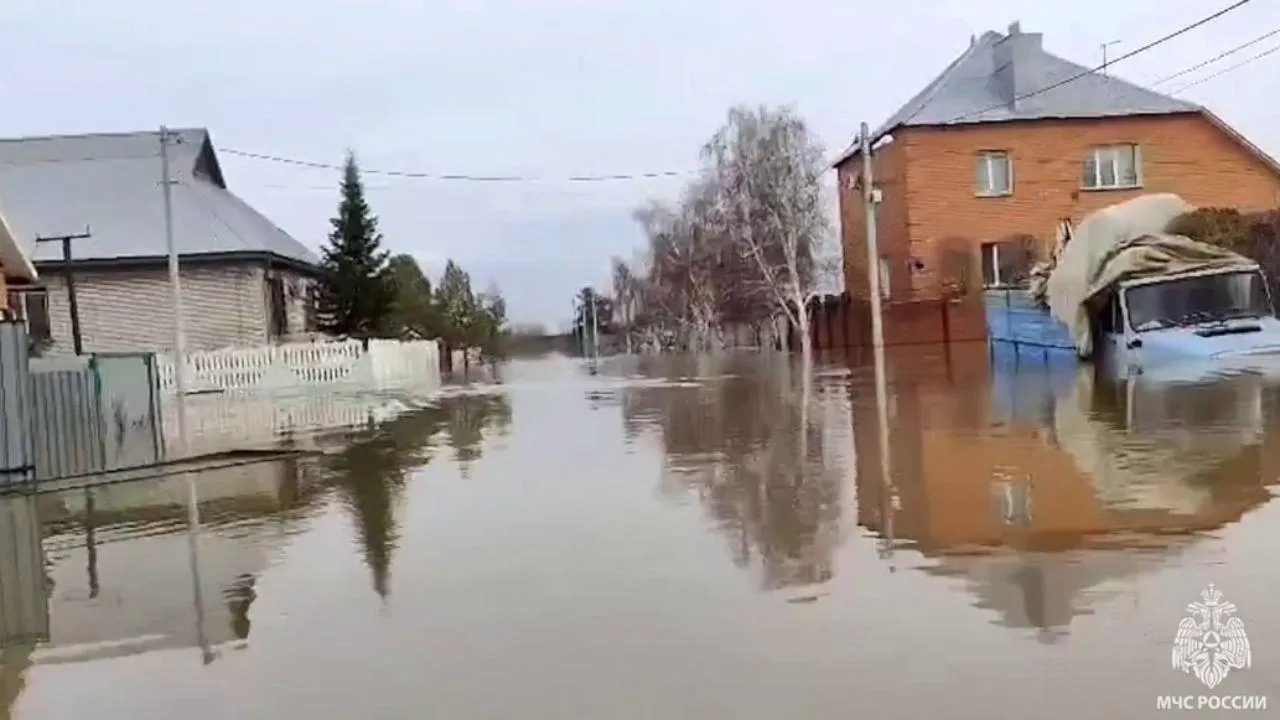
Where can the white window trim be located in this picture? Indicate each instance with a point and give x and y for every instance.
(995, 263)
(1099, 152)
(987, 158)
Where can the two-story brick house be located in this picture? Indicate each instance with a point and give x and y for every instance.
(1007, 143)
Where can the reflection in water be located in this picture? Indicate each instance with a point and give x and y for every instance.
(370, 473)
(1016, 471)
(24, 599)
(1032, 501)
(751, 446)
(137, 567)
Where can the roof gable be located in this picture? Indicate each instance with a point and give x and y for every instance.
(110, 183)
(1000, 78)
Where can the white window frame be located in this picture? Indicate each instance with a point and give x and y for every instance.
(1109, 155)
(995, 264)
(985, 160)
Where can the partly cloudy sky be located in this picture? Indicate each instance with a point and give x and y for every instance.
(541, 88)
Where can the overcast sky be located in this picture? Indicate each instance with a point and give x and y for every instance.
(545, 88)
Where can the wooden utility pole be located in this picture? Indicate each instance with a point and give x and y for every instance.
(77, 338)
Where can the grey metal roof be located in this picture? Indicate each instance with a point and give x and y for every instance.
(111, 184)
(971, 90)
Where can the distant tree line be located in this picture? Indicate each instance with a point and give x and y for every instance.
(749, 243)
(366, 292)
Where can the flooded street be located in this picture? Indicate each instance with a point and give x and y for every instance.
(674, 538)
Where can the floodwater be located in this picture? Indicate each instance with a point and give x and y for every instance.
(674, 538)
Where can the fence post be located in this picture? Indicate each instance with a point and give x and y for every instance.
(95, 373)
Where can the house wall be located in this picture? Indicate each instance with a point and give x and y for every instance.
(130, 310)
(1184, 154)
(892, 220)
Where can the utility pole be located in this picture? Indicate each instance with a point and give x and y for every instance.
(1106, 45)
(577, 330)
(595, 330)
(175, 284)
(168, 138)
(77, 337)
(871, 196)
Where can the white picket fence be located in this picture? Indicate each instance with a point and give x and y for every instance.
(303, 366)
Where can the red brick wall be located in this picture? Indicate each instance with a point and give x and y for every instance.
(1184, 154)
(891, 219)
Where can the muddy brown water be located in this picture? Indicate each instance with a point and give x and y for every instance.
(674, 538)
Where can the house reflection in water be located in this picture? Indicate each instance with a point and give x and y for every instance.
(1035, 481)
(123, 569)
(24, 594)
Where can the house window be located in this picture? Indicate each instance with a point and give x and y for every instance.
(993, 174)
(277, 310)
(1006, 262)
(1112, 167)
(35, 308)
(311, 313)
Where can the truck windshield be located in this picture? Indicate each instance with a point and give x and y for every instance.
(1192, 300)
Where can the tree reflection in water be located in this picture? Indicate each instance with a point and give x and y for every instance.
(750, 448)
(372, 471)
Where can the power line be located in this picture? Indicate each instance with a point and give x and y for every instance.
(457, 177)
(466, 177)
(1226, 70)
(1216, 58)
(1126, 56)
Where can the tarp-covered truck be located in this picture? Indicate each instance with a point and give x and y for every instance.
(1122, 288)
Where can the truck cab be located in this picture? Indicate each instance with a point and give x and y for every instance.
(1220, 315)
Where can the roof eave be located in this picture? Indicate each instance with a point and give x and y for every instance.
(1244, 142)
(151, 261)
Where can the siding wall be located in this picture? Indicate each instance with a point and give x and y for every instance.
(131, 310)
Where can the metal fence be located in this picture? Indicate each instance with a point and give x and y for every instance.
(75, 416)
(16, 451)
(1014, 316)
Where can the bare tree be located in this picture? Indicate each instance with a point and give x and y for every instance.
(685, 247)
(625, 291)
(765, 168)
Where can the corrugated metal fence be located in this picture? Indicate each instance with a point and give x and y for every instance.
(74, 416)
(16, 451)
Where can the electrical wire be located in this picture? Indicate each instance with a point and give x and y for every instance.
(616, 177)
(1225, 70)
(1216, 58)
(457, 176)
(1088, 73)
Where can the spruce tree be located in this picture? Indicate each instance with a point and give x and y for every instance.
(356, 297)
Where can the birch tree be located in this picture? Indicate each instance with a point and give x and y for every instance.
(765, 169)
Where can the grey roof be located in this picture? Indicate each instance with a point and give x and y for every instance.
(111, 184)
(977, 88)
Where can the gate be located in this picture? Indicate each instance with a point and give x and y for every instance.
(17, 454)
(74, 416)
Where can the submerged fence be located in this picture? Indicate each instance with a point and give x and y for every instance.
(73, 416)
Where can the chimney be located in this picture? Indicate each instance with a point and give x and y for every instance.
(1014, 60)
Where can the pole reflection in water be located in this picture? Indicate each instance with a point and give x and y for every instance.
(890, 492)
(91, 542)
(193, 549)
